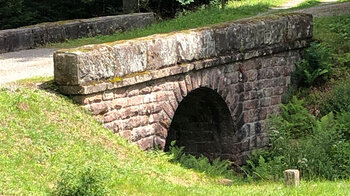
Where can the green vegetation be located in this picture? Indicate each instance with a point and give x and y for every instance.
(50, 145)
(316, 144)
(332, 33)
(234, 10)
(307, 4)
(316, 64)
(318, 148)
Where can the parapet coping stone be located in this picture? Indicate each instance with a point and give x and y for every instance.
(95, 68)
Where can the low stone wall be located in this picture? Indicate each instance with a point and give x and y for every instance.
(231, 75)
(32, 36)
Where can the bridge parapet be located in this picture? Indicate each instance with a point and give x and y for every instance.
(209, 88)
(109, 63)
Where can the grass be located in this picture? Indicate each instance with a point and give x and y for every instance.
(203, 17)
(307, 4)
(44, 136)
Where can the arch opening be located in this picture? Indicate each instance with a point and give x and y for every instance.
(202, 124)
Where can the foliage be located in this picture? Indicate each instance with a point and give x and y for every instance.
(316, 64)
(185, 2)
(294, 119)
(333, 33)
(307, 4)
(82, 180)
(338, 100)
(323, 152)
(49, 145)
(202, 164)
(333, 95)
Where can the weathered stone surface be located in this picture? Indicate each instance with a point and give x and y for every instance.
(32, 36)
(242, 40)
(291, 177)
(208, 88)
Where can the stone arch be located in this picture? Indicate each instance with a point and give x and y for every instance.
(202, 123)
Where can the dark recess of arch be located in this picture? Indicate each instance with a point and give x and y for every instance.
(203, 125)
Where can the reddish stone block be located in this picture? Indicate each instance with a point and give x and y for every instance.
(137, 100)
(252, 104)
(133, 93)
(159, 130)
(251, 75)
(108, 95)
(141, 132)
(146, 143)
(126, 134)
(263, 113)
(161, 96)
(168, 110)
(121, 102)
(159, 142)
(99, 108)
(88, 99)
(278, 90)
(188, 83)
(276, 100)
(112, 126)
(145, 90)
(183, 88)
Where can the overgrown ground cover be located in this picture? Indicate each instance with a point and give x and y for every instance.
(312, 133)
(187, 20)
(48, 145)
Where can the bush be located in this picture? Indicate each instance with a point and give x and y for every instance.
(202, 164)
(338, 99)
(294, 119)
(78, 180)
(316, 65)
(319, 150)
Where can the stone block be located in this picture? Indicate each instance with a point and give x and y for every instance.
(291, 177)
(66, 70)
(161, 52)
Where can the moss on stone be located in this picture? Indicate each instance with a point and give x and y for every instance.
(119, 79)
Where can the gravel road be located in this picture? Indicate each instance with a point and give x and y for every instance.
(38, 62)
(26, 64)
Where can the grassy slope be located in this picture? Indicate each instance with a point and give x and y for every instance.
(43, 134)
(203, 17)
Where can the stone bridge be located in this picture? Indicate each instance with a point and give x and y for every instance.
(210, 89)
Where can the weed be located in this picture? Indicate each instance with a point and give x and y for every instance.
(316, 64)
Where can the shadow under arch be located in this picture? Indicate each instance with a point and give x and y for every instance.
(203, 125)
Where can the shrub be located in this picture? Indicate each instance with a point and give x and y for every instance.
(202, 164)
(322, 152)
(338, 100)
(294, 119)
(316, 65)
(82, 180)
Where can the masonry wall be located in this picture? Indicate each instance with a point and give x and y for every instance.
(135, 87)
(37, 35)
